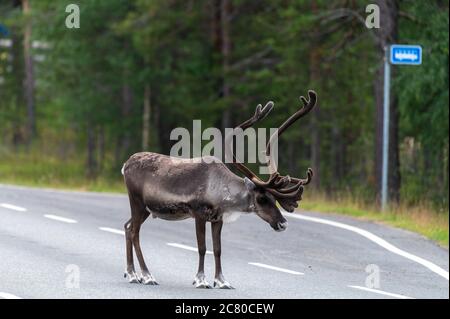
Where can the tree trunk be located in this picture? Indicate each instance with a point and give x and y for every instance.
(314, 65)
(292, 162)
(101, 147)
(314, 74)
(17, 51)
(29, 73)
(146, 118)
(127, 104)
(444, 172)
(337, 157)
(221, 40)
(224, 41)
(91, 152)
(156, 126)
(387, 35)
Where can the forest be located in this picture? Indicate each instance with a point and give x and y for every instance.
(76, 102)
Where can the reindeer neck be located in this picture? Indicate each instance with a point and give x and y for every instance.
(237, 197)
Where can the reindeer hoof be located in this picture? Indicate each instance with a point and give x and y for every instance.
(222, 284)
(132, 277)
(148, 279)
(201, 283)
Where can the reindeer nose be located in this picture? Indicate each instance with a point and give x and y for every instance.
(282, 226)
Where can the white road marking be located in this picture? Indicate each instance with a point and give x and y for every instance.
(13, 207)
(5, 295)
(277, 268)
(381, 292)
(60, 219)
(112, 230)
(187, 247)
(378, 240)
(53, 190)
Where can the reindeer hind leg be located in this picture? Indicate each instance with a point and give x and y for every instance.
(130, 272)
(142, 214)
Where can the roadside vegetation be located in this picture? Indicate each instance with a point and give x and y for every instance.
(38, 170)
(420, 218)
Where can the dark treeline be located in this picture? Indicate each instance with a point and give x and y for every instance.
(135, 70)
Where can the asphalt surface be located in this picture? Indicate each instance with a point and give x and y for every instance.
(43, 256)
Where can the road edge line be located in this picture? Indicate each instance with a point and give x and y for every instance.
(377, 240)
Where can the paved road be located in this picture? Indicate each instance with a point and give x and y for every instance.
(47, 236)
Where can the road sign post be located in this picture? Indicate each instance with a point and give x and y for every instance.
(386, 111)
(400, 55)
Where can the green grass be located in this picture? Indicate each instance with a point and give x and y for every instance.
(45, 171)
(33, 170)
(420, 219)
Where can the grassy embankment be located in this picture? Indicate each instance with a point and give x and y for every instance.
(38, 171)
(420, 218)
(32, 170)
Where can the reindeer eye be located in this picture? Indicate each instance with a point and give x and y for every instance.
(262, 200)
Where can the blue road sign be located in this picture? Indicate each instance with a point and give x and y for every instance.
(406, 54)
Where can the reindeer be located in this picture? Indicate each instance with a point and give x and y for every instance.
(205, 189)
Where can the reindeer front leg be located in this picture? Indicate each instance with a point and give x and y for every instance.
(200, 280)
(219, 280)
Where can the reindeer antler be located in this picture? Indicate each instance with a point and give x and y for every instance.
(286, 190)
(260, 114)
(289, 193)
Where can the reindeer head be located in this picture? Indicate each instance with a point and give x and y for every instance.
(285, 190)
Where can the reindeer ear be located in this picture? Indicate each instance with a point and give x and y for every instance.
(249, 184)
